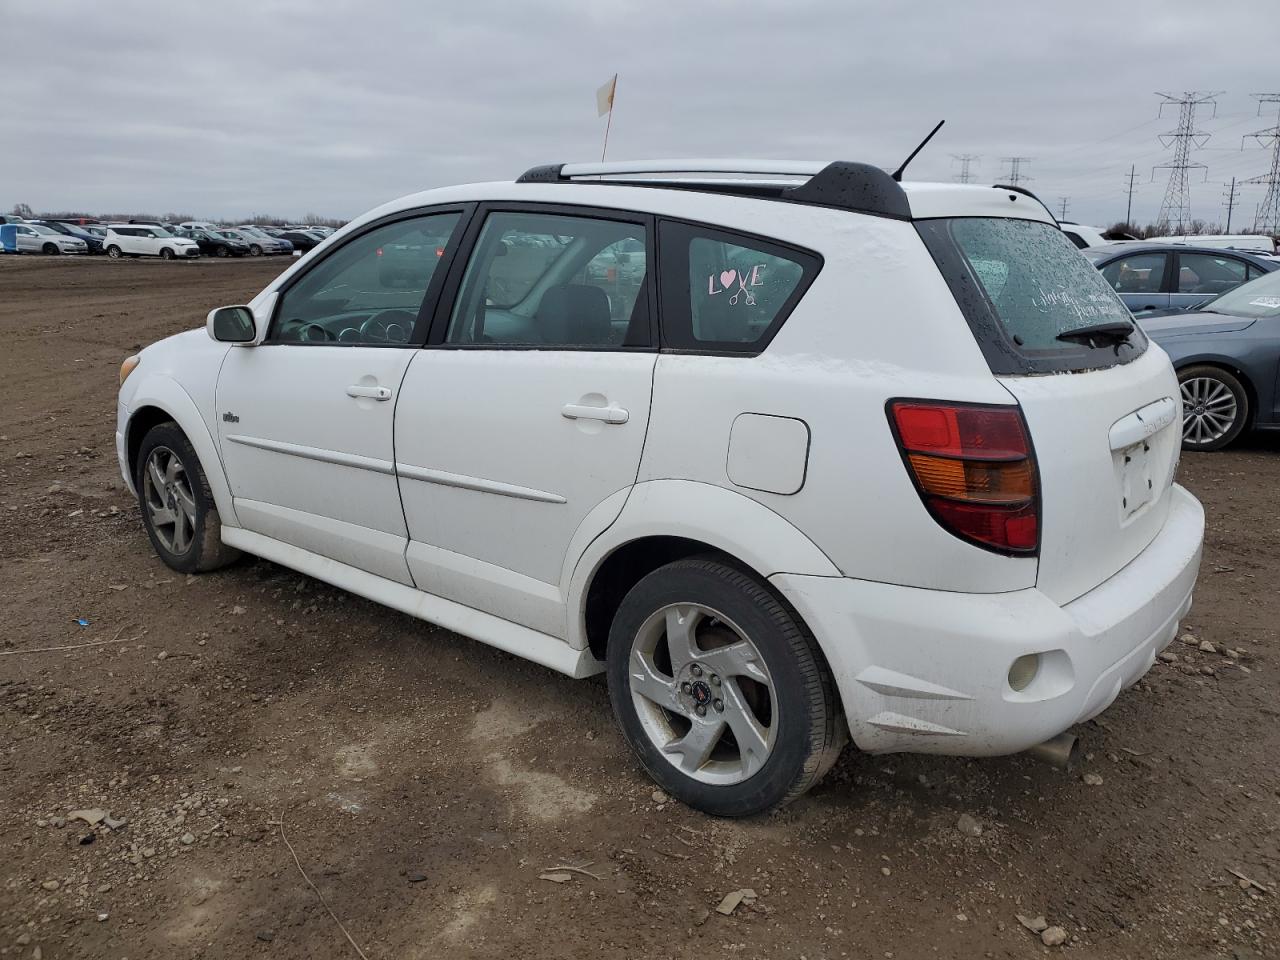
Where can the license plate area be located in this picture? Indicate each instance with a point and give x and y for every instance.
(1137, 479)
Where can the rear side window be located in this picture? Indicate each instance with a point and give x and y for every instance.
(727, 293)
(1208, 274)
(1142, 273)
(1021, 284)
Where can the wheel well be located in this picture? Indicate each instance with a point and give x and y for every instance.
(139, 425)
(1250, 391)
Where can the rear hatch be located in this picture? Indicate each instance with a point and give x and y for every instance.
(1101, 404)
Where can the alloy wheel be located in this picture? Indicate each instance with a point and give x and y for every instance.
(171, 505)
(703, 694)
(1209, 410)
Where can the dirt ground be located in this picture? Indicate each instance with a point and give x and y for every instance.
(426, 781)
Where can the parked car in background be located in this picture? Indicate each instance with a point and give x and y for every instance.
(1163, 276)
(92, 242)
(1081, 235)
(1256, 242)
(301, 239)
(1226, 355)
(11, 218)
(266, 242)
(215, 244)
(32, 237)
(952, 551)
(141, 240)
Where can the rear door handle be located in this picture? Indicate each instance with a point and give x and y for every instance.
(373, 393)
(580, 411)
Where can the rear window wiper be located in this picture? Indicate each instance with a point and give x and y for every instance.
(1100, 334)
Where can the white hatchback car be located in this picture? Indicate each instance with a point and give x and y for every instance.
(795, 456)
(147, 240)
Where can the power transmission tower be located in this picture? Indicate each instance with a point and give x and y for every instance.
(1131, 179)
(1232, 195)
(1175, 210)
(965, 160)
(1016, 176)
(1063, 202)
(1267, 217)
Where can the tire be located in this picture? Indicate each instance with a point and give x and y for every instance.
(255, 251)
(50, 249)
(791, 714)
(166, 254)
(113, 252)
(219, 251)
(194, 544)
(1215, 407)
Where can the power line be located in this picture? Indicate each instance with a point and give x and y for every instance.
(1015, 175)
(1175, 209)
(1266, 218)
(1232, 195)
(1131, 179)
(965, 160)
(1063, 203)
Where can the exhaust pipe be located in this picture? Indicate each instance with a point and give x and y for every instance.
(1062, 751)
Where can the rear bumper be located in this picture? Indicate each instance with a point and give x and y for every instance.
(926, 671)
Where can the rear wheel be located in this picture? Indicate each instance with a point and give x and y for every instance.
(721, 693)
(1215, 407)
(178, 510)
(255, 251)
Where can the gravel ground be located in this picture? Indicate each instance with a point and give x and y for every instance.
(425, 783)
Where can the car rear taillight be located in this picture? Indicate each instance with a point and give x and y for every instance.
(975, 470)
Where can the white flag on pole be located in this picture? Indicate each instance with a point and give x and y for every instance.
(604, 96)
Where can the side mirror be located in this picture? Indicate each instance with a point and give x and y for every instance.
(231, 325)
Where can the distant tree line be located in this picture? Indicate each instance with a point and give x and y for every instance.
(310, 220)
(1121, 230)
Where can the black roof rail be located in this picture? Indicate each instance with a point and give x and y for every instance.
(1027, 193)
(841, 184)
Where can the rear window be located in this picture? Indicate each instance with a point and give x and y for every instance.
(1021, 284)
(1258, 299)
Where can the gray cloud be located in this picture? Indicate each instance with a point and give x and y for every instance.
(294, 107)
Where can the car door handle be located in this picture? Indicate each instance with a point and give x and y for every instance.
(373, 393)
(580, 411)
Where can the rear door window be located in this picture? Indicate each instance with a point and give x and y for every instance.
(1021, 285)
(1208, 274)
(727, 293)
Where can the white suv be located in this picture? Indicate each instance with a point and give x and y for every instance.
(147, 240)
(794, 458)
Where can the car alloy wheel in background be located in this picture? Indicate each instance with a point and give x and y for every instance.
(1214, 407)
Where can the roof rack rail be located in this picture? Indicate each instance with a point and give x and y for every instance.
(844, 185)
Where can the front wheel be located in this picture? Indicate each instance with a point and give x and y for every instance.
(51, 249)
(255, 251)
(178, 509)
(720, 691)
(1215, 407)
(219, 251)
(166, 254)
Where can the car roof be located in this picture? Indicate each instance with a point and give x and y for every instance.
(1149, 246)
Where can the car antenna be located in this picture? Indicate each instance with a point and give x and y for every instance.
(897, 174)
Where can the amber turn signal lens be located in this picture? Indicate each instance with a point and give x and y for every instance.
(985, 481)
(130, 364)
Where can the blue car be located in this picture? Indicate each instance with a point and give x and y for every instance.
(1226, 355)
(1173, 276)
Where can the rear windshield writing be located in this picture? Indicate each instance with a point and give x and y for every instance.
(1037, 282)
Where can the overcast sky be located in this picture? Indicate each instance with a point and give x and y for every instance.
(220, 109)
